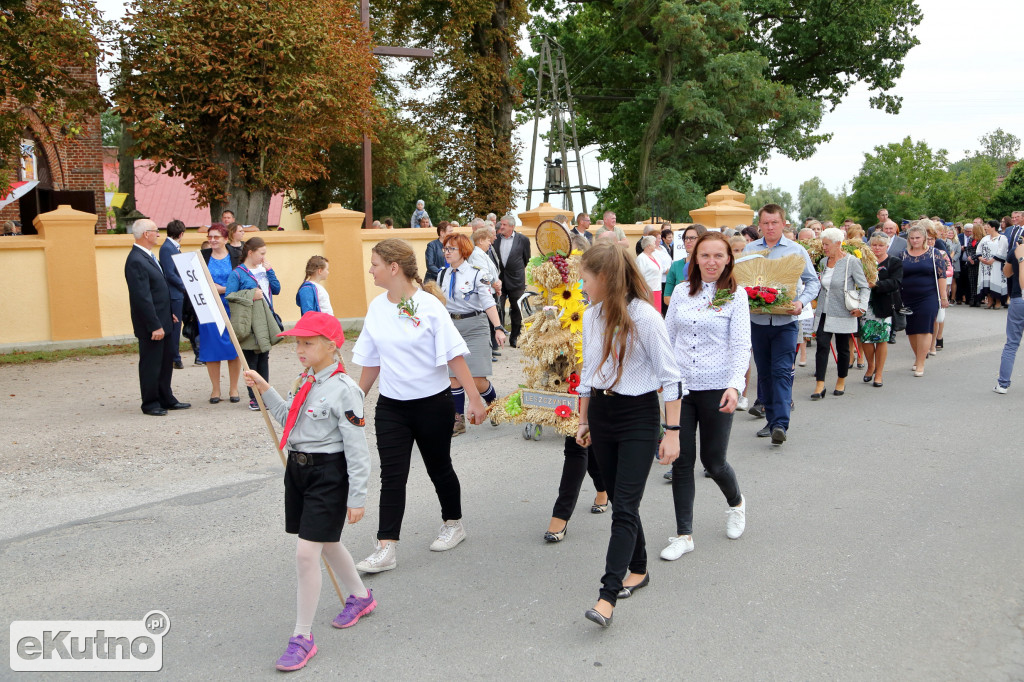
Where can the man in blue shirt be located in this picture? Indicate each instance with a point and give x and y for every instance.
(774, 337)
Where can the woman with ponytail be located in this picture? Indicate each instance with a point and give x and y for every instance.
(627, 359)
(409, 340)
(257, 330)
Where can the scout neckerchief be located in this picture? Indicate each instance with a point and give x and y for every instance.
(307, 379)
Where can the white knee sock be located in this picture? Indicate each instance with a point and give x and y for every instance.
(344, 568)
(307, 568)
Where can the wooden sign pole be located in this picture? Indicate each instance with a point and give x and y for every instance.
(259, 398)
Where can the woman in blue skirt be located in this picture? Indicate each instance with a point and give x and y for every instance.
(213, 346)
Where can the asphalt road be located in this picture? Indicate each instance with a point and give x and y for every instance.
(883, 540)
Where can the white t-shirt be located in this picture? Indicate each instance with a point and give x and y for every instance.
(650, 268)
(412, 358)
(323, 299)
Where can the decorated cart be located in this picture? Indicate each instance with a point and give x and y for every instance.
(551, 341)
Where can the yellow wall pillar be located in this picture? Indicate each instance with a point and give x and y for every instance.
(73, 285)
(544, 211)
(343, 246)
(724, 208)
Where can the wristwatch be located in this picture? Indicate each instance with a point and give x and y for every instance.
(500, 328)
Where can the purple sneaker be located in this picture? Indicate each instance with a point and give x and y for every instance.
(298, 653)
(355, 608)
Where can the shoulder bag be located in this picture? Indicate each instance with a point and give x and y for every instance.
(850, 296)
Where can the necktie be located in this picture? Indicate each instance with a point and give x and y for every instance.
(293, 412)
(156, 260)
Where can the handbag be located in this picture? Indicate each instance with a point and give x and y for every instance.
(850, 296)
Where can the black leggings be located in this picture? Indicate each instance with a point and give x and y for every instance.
(700, 409)
(578, 461)
(259, 362)
(625, 432)
(821, 353)
(428, 423)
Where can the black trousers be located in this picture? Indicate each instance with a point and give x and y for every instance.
(823, 350)
(699, 409)
(512, 296)
(259, 362)
(176, 306)
(578, 462)
(625, 432)
(427, 422)
(156, 364)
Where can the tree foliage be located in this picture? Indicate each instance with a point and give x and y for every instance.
(110, 128)
(244, 97)
(48, 51)
(709, 88)
(466, 94)
(769, 194)
(1010, 195)
(899, 177)
(1001, 147)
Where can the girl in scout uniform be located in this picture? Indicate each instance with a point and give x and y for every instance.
(328, 467)
(409, 341)
(471, 304)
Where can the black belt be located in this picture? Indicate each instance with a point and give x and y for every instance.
(313, 458)
(466, 316)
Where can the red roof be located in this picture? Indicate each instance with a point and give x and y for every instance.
(165, 198)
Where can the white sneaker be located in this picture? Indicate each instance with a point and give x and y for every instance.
(678, 545)
(742, 404)
(736, 519)
(451, 534)
(384, 558)
(1001, 389)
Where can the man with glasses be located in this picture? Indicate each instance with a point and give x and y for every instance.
(150, 303)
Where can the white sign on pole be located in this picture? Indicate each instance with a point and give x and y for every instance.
(198, 289)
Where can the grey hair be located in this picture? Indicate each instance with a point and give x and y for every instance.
(580, 243)
(510, 219)
(878, 237)
(476, 223)
(833, 234)
(648, 229)
(561, 219)
(141, 226)
(647, 240)
(492, 217)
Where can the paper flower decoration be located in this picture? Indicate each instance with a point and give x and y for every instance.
(574, 383)
(563, 411)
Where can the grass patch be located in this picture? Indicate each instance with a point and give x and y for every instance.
(27, 357)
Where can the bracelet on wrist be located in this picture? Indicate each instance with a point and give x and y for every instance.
(668, 427)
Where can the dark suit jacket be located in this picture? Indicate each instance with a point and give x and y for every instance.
(174, 283)
(513, 273)
(148, 296)
(885, 296)
(897, 245)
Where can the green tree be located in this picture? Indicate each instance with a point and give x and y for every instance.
(769, 194)
(49, 50)
(1010, 195)
(110, 127)
(711, 88)
(242, 96)
(897, 176)
(815, 200)
(965, 190)
(466, 95)
(1001, 147)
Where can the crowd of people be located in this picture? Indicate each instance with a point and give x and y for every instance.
(667, 344)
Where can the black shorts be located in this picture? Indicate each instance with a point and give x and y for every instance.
(316, 499)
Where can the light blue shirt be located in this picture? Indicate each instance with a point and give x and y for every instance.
(787, 247)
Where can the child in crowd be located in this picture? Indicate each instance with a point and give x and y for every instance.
(312, 296)
(328, 467)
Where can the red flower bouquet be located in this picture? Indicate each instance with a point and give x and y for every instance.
(763, 299)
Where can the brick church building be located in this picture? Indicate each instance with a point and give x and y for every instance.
(55, 170)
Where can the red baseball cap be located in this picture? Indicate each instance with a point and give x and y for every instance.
(318, 324)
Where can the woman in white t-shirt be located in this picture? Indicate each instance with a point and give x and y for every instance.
(312, 296)
(409, 340)
(651, 266)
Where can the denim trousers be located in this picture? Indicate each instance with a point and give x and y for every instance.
(1014, 328)
(625, 432)
(774, 349)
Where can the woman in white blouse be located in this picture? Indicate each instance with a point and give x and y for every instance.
(627, 358)
(409, 340)
(653, 265)
(710, 334)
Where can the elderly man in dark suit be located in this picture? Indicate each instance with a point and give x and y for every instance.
(513, 251)
(152, 319)
(897, 244)
(175, 286)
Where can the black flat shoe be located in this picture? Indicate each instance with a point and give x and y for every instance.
(876, 384)
(838, 392)
(214, 401)
(155, 412)
(818, 396)
(234, 398)
(179, 406)
(178, 365)
(556, 537)
(598, 508)
(627, 592)
(593, 615)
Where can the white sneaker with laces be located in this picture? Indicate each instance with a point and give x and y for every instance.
(451, 534)
(1001, 389)
(736, 519)
(384, 558)
(678, 545)
(742, 404)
